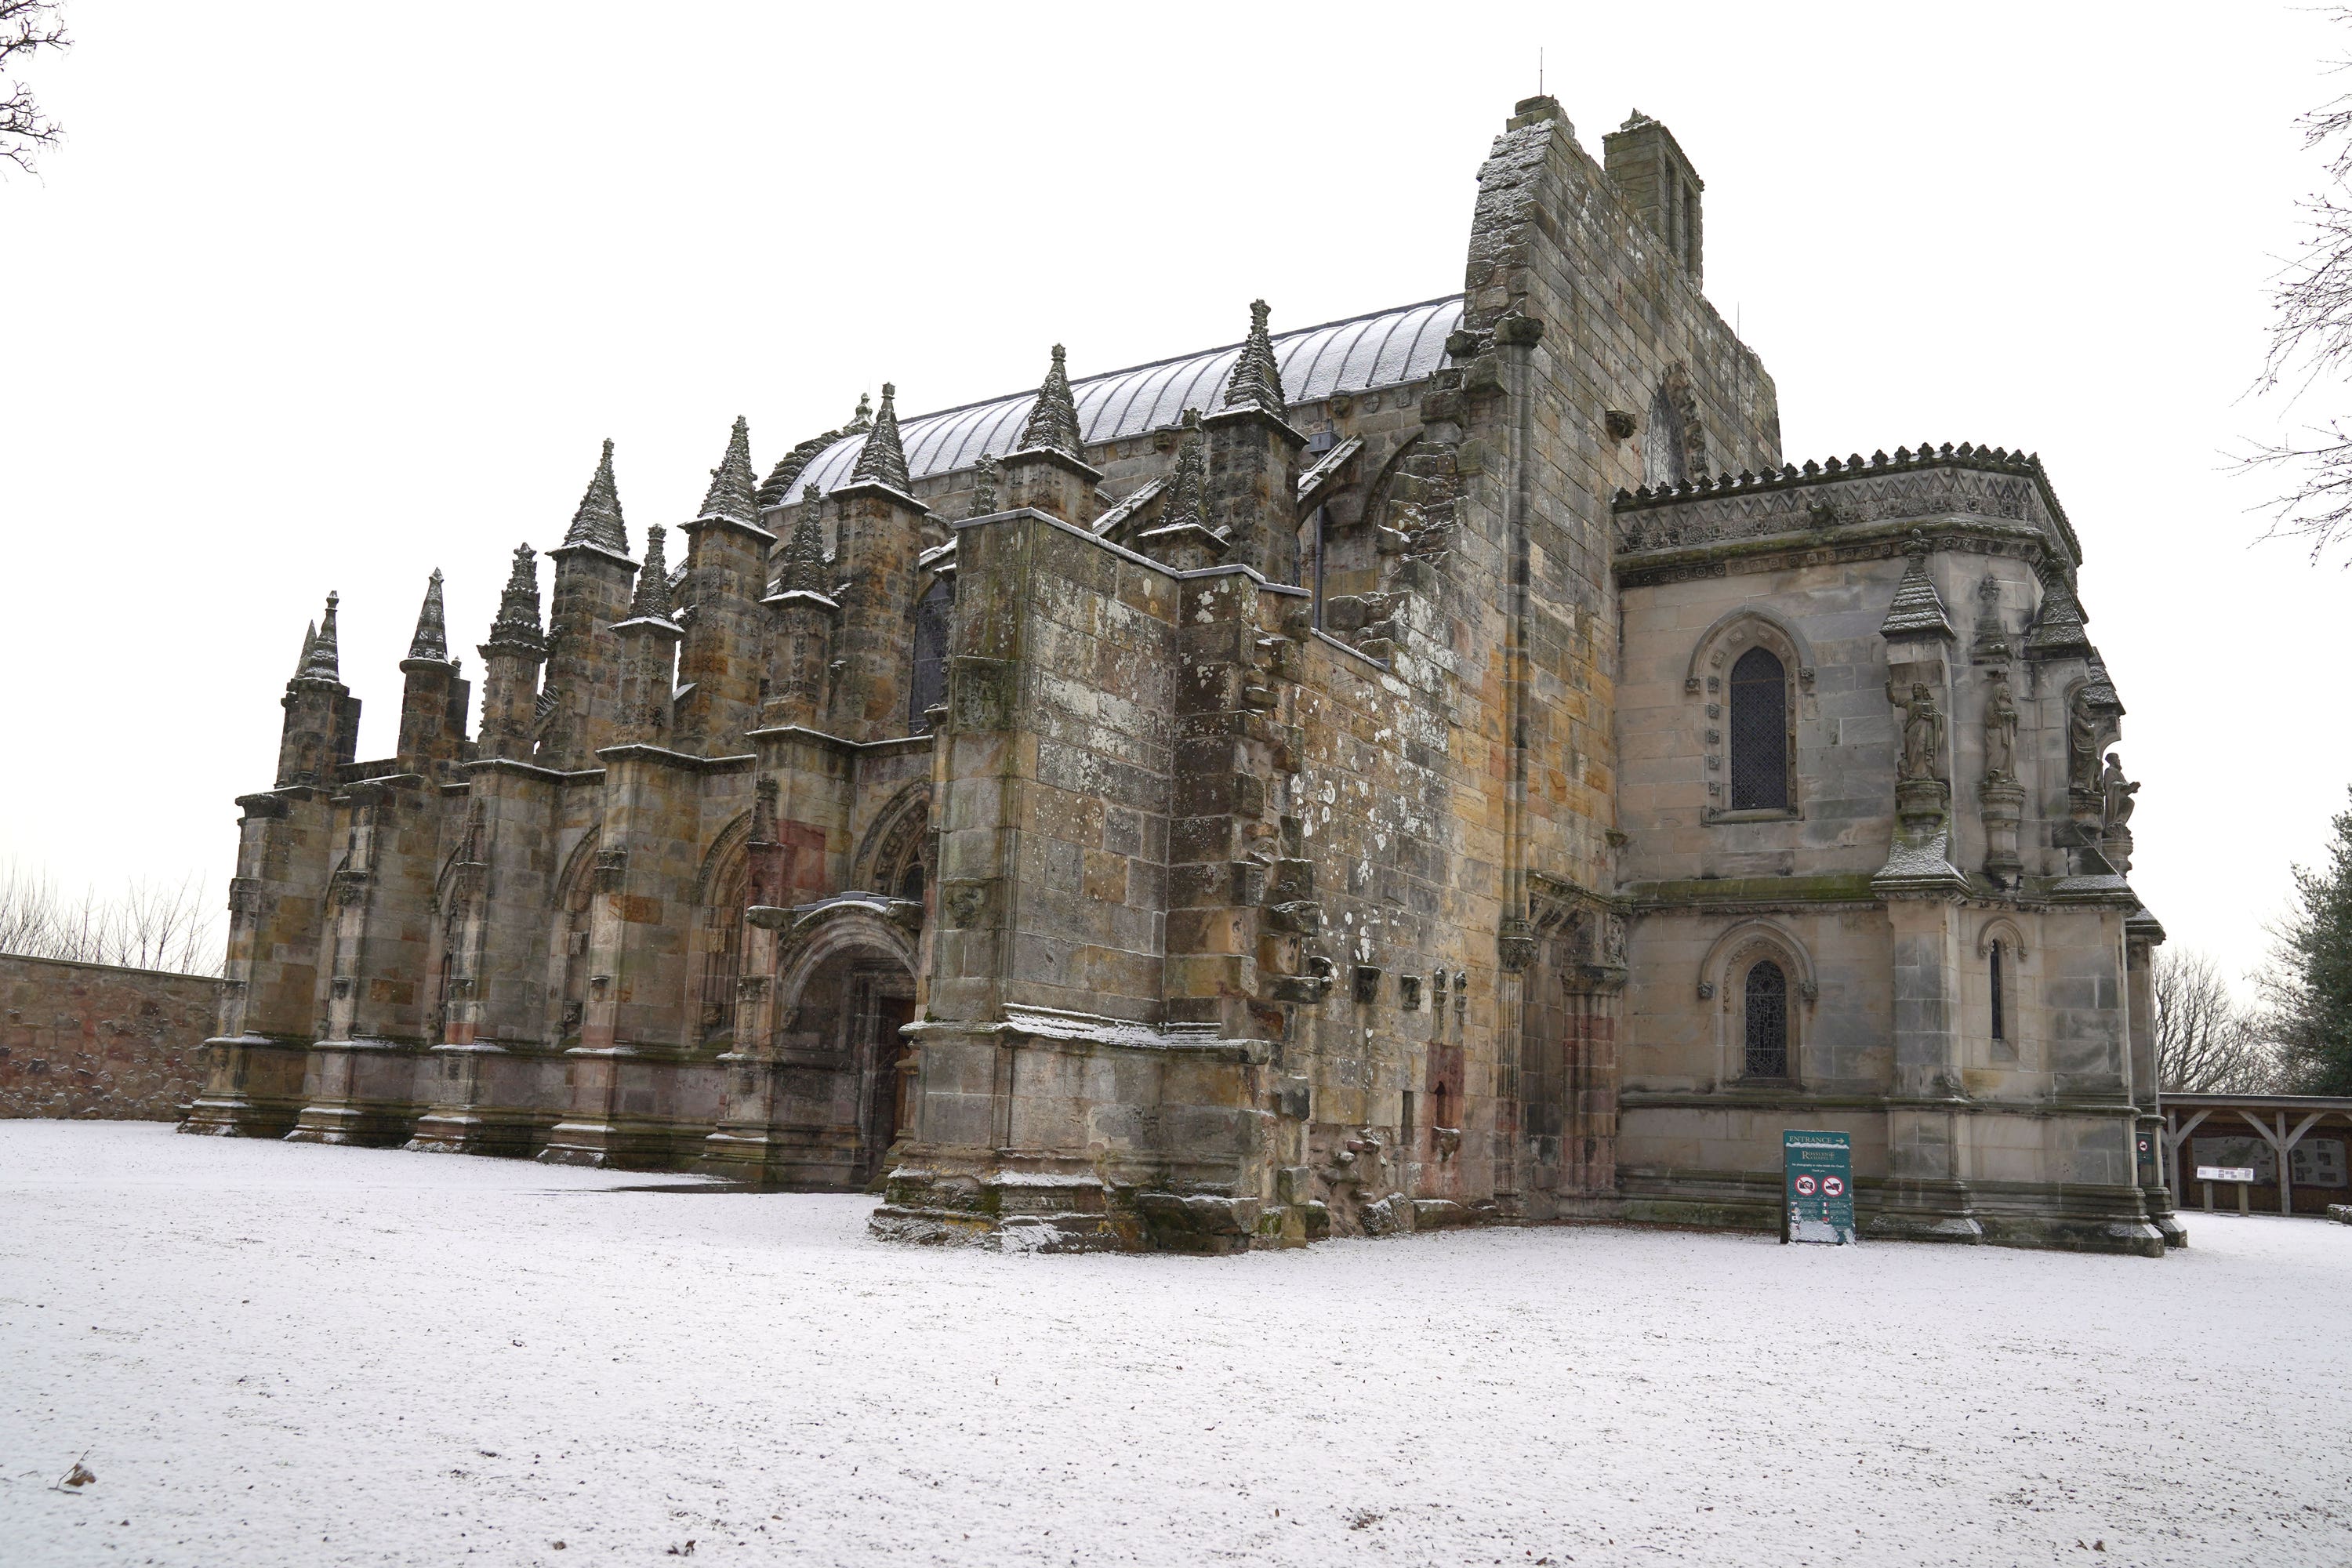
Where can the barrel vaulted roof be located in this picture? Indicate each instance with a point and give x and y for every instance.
(1387, 347)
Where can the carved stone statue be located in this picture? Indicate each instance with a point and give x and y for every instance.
(2116, 792)
(2081, 746)
(1923, 732)
(2001, 732)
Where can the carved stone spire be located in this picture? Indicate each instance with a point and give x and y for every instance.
(883, 460)
(732, 495)
(598, 520)
(309, 637)
(1188, 488)
(652, 599)
(1054, 422)
(517, 626)
(318, 660)
(432, 638)
(1256, 381)
(983, 487)
(804, 556)
(1917, 610)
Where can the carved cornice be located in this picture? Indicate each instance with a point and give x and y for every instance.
(1781, 552)
(1822, 498)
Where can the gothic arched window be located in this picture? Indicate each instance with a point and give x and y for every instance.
(1999, 1003)
(1759, 732)
(722, 955)
(1766, 1013)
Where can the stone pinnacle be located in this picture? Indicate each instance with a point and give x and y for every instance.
(1188, 499)
(652, 598)
(1256, 381)
(517, 626)
(320, 663)
(804, 556)
(432, 638)
(882, 460)
(598, 520)
(733, 491)
(1054, 421)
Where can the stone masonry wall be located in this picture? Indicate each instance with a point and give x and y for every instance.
(94, 1042)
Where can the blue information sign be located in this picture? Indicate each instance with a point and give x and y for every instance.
(1817, 1187)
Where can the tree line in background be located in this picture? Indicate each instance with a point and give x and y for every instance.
(147, 925)
(2297, 1038)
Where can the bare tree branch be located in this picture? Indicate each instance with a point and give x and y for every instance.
(2311, 341)
(26, 27)
(149, 926)
(2205, 1043)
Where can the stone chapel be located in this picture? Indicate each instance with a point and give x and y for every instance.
(1439, 767)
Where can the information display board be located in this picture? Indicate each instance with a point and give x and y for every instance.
(1817, 1187)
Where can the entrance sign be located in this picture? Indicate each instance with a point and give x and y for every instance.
(1817, 1183)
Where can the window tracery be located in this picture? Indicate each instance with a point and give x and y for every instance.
(1764, 1021)
(1759, 732)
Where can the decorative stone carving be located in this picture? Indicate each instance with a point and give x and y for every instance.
(1923, 732)
(2001, 732)
(2116, 799)
(1516, 945)
(1993, 644)
(2086, 728)
(2116, 792)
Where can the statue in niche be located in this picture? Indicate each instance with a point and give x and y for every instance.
(2116, 793)
(1923, 730)
(2081, 746)
(2001, 732)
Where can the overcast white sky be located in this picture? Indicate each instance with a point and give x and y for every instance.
(324, 297)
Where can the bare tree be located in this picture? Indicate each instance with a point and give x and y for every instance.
(2311, 341)
(26, 27)
(149, 925)
(2206, 1043)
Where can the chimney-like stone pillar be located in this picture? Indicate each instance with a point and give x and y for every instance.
(1647, 165)
(725, 650)
(1250, 492)
(1052, 482)
(1048, 471)
(592, 575)
(510, 662)
(433, 701)
(880, 527)
(647, 640)
(321, 725)
(803, 619)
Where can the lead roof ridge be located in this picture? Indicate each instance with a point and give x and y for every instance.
(1089, 380)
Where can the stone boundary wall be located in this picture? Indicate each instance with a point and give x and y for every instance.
(94, 1042)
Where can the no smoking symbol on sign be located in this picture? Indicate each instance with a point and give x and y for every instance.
(1805, 1187)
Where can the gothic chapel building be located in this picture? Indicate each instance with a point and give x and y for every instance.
(1442, 766)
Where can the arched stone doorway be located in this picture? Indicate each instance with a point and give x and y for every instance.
(818, 1082)
(846, 1015)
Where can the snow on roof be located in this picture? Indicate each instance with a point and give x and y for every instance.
(1387, 347)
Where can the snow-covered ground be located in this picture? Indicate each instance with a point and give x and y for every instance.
(277, 1354)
